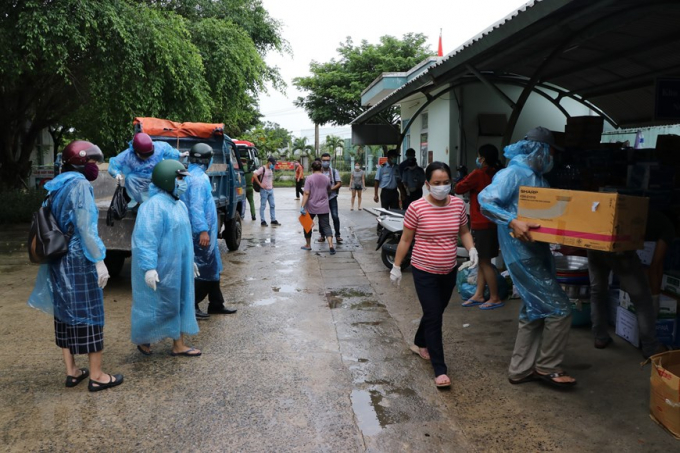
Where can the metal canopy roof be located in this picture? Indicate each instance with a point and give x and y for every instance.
(606, 54)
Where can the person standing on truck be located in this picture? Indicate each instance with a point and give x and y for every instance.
(163, 268)
(264, 177)
(299, 179)
(70, 287)
(137, 162)
(248, 168)
(203, 216)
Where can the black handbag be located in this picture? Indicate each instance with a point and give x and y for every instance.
(46, 241)
(119, 205)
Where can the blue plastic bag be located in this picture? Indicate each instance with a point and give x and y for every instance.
(466, 282)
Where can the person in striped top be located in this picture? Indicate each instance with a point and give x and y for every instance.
(435, 222)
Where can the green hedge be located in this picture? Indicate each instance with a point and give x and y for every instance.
(18, 206)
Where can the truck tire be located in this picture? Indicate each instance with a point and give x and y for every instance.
(114, 262)
(232, 233)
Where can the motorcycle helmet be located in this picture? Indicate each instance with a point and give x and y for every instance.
(200, 153)
(142, 145)
(165, 172)
(78, 153)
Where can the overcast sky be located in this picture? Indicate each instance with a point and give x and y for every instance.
(315, 28)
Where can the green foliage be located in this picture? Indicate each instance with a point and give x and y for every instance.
(335, 87)
(300, 144)
(93, 65)
(18, 206)
(333, 142)
(269, 138)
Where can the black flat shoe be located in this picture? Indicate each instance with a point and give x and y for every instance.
(222, 310)
(200, 314)
(72, 381)
(114, 380)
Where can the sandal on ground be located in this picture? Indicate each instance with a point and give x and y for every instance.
(601, 343)
(339, 240)
(471, 303)
(191, 352)
(444, 385)
(114, 380)
(146, 351)
(416, 350)
(304, 247)
(529, 378)
(72, 381)
(550, 379)
(491, 305)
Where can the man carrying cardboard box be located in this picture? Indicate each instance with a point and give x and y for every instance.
(545, 316)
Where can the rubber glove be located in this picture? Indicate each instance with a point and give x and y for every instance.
(395, 276)
(196, 273)
(119, 178)
(151, 278)
(303, 211)
(102, 274)
(474, 257)
(184, 154)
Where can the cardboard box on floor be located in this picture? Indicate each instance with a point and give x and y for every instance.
(593, 220)
(664, 401)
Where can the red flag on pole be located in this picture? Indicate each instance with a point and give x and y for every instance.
(440, 52)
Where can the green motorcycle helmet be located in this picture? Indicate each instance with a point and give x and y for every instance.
(200, 153)
(165, 172)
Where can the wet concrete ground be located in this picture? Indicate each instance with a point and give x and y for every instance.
(316, 359)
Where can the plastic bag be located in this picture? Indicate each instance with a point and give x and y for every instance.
(119, 205)
(466, 281)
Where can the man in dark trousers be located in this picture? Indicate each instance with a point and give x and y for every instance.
(411, 179)
(386, 181)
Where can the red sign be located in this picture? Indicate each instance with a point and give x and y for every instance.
(283, 165)
(382, 160)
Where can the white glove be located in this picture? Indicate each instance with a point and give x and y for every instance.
(151, 278)
(395, 276)
(464, 266)
(184, 154)
(102, 274)
(119, 178)
(474, 257)
(196, 273)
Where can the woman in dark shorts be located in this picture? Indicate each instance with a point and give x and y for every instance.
(70, 287)
(484, 231)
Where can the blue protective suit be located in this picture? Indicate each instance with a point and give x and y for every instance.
(67, 288)
(531, 264)
(137, 172)
(203, 215)
(161, 240)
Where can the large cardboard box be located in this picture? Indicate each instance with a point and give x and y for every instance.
(664, 401)
(593, 220)
(666, 323)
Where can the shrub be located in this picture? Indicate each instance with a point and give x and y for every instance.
(18, 206)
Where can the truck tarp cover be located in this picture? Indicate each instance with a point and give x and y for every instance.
(166, 128)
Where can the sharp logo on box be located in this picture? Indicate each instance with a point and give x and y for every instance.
(664, 374)
(528, 191)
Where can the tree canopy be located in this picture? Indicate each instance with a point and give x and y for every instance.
(334, 88)
(269, 138)
(93, 65)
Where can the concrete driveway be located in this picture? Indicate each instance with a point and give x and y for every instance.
(316, 359)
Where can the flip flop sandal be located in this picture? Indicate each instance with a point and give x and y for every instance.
(529, 378)
(442, 386)
(416, 350)
(550, 379)
(304, 247)
(471, 303)
(72, 381)
(488, 306)
(140, 349)
(186, 353)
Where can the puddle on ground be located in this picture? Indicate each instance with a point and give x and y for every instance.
(268, 301)
(286, 289)
(372, 413)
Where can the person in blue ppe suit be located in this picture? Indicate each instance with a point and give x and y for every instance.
(545, 316)
(163, 268)
(137, 162)
(70, 287)
(203, 216)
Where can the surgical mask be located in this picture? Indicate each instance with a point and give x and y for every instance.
(271, 167)
(91, 171)
(180, 188)
(440, 192)
(357, 168)
(478, 162)
(392, 160)
(325, 163)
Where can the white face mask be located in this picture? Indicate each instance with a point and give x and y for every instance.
(440, 192)
(357, 168)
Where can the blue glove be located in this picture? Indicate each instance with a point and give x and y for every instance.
(302, 211)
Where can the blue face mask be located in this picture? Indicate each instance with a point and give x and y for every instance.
(325, 163)
(271, 167)
(180, 188)
(478, 162)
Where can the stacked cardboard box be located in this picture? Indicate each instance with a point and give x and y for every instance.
(664, 402)
(583, 132)
(666, 323)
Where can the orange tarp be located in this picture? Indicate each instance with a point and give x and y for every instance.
(167, 128)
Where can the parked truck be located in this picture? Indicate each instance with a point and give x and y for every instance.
(226, 176)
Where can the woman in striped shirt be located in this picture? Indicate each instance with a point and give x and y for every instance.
(435, 221)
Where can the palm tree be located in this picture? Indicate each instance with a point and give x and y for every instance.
(300, 144)
(333, 142)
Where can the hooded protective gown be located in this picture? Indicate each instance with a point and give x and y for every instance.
(67, 288)
(203, 215)
(531, 264)
(137, 172)
(161, 240)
